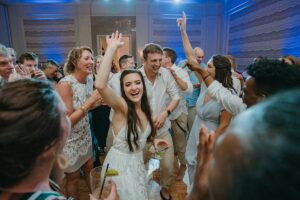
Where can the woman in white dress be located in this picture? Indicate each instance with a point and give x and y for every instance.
(76, 91)
(209, 112)
(132, 125)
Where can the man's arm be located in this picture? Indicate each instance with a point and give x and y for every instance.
(181, 22)
(172, 91)
(183, 81)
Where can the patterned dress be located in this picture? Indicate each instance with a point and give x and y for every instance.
(78, 148)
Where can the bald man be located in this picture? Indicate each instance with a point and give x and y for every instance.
(192, 98)
(199, 54)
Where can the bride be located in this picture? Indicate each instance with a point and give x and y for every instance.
(131, 122)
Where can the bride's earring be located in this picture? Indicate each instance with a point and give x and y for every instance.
(62, 161)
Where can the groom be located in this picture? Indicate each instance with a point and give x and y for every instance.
(160, 83)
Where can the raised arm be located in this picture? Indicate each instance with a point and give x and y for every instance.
(109, 96)
(182, 79)
(188, 49)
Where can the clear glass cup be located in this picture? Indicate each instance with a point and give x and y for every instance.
(96, 181)
(160, 151)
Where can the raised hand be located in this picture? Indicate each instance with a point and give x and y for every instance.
(115, 40)
(181, 22)
(172, 72)
(193, 64)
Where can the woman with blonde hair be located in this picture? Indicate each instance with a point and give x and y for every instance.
(76, 91)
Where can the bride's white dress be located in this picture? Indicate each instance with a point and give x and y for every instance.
(131, 181)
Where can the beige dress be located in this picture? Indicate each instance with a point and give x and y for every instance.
(78, 148)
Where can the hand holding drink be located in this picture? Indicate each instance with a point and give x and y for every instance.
(108, 187)
(160, 147)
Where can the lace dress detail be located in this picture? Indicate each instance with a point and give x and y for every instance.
(131, 181)
(78, 148)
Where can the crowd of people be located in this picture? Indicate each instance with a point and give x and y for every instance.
(235, 134)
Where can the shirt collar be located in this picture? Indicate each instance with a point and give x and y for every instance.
(142, 69)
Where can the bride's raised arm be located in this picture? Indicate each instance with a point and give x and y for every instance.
(109, 96)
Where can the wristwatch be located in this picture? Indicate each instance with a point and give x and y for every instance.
(169, 112)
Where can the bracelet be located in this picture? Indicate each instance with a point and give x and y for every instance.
(206, 77)
(83, 109)
(168, 112)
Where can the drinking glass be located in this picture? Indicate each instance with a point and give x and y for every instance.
(96, 184)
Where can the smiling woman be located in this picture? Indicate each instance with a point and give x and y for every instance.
(76, 90)
(131, 123)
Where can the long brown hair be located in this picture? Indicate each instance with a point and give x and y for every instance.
(132, 118)
(223, 71)
(29, 124)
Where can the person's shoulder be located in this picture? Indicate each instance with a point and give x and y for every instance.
(68, 78)
(90, 77)
(44, 195)
(181, 63)
(203, 65)
(165, 73)
(163, 70)
(115, 77)
(175, 67)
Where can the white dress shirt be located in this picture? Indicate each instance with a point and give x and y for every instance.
(182, 107)
(114, 83)
(164, 85)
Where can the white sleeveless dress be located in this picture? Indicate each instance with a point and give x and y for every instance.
(131, 181)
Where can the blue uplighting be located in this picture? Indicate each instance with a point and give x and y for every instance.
(47, 1)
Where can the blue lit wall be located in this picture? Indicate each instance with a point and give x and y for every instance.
(266, 28)
(42, 1)
(204, 25)
(5, 38)
(46, 29)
